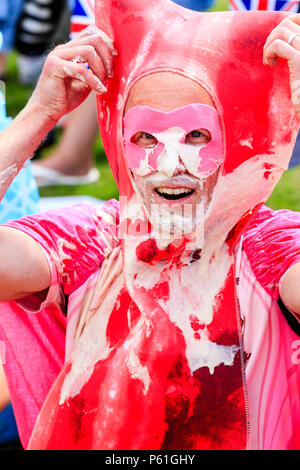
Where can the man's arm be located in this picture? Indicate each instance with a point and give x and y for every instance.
(24, 268)
(64, 84)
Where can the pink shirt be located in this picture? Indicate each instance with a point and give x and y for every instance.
(76, 240)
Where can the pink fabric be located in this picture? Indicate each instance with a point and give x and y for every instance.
(34, 333)
(34, 352)
(272, 242)
(272, 365)
(65, 233)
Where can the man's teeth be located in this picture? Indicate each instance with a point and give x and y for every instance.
(174, 191)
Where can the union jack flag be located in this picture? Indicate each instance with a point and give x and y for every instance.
(290, 6)
(83, 15)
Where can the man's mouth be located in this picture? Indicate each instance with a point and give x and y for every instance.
(173, 194)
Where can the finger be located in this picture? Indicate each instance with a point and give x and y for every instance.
(283, 31)
(100, 47)
(101, 42)
(92, 30)
(279, 48)
(295, 18)
(102, 50)
(66, 69)
(84, 55)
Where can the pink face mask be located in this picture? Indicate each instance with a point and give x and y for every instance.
(170, 131)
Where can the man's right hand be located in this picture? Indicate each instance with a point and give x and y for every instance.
(66, 80)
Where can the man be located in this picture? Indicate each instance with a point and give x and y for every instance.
(154, 345)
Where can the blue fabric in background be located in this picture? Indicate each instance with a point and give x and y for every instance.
(8, 427)
(22, 197)
(197, 5)
(10, 11)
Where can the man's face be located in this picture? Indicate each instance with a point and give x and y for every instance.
(173, 145)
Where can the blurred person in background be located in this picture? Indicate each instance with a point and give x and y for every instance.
(36, 31)
(10, 11)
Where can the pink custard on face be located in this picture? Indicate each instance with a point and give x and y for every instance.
(170, 130)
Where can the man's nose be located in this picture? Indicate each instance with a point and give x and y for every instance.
(180, 168)
(170, 163)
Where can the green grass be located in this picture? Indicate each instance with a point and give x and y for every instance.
(220, 5)
(285, 195)
(105, 188)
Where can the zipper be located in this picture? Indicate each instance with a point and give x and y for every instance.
(241, 343)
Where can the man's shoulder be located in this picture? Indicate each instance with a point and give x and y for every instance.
(272, 244)
(109, 208)
(268, 219)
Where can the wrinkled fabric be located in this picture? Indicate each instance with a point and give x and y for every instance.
(33, 330)
(272, 240)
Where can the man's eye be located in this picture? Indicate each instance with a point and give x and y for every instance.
(144, 140)
(198, 137)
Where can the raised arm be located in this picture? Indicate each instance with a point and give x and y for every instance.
(70, 72)
(284, 43)
(65, 82)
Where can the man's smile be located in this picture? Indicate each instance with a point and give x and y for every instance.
(180, 189)
(174, 193)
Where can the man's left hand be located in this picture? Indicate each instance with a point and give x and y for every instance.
(284, 42)
(72, 71)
